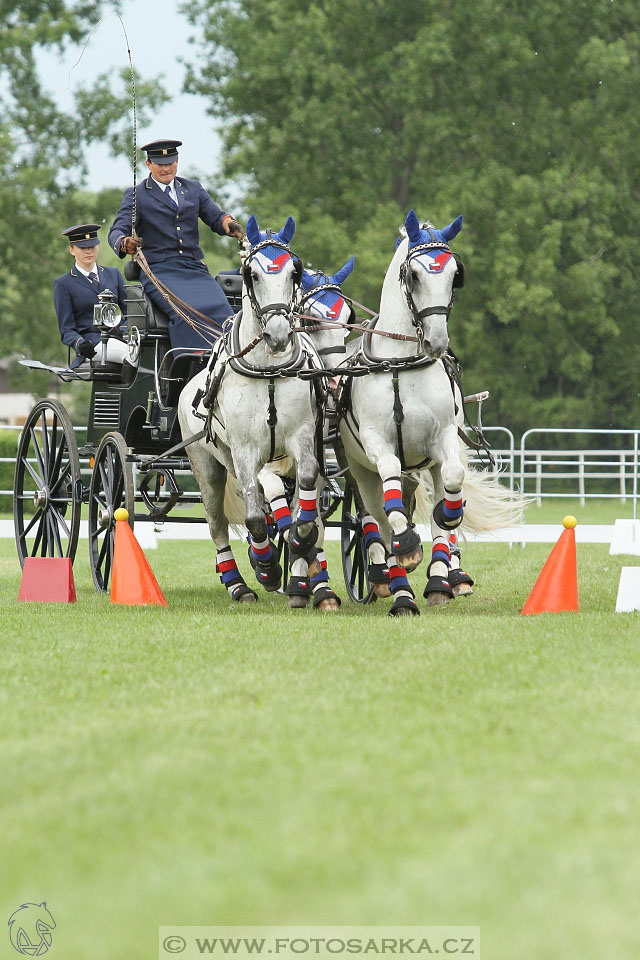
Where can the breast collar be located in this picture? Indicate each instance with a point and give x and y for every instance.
(290, 368)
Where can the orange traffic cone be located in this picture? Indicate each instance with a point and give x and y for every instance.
(47, 579)
(133, 582)
(556, 588)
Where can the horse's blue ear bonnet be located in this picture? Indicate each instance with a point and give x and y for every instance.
(331, 300)
(419, 233)
(271, 257)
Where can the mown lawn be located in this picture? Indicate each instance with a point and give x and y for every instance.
(208, 764)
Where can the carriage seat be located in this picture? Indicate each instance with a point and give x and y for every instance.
(142, 313)
(231, 283)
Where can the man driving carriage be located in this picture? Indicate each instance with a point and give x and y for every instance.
(75, 294)
(167, 211)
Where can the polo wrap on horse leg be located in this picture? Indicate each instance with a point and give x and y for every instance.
(440, 553)
(448, 513)
(281, 513)
(457, 576)
(392, 493)
(298, 587)
(377, 570)
(438, 588)
(403, 595)
(230, 576)
(301, 544)
(265, 563)
(320, 581)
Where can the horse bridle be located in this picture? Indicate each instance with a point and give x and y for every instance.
(266, 311)
(418, 316)
(320, 288)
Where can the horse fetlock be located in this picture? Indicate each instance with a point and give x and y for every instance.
(269, 574)
(302, 538)
(438, 568)
(257, 526)
(442, 520)
(407, 549)
(398, 521)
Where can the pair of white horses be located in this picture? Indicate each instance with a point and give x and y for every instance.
(399, 423)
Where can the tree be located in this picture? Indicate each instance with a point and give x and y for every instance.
(42, 163)
(520, 115)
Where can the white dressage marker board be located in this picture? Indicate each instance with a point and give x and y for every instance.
(626, 538)
(628, 590)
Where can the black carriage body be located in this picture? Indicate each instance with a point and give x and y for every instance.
(144, 408)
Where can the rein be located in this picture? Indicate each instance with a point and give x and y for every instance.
(319, 325)
(180, 306)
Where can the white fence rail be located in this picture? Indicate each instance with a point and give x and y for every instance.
(553, 463)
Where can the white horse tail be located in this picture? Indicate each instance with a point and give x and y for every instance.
(234, 508)
(489, 504)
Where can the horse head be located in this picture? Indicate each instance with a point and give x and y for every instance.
(271, 275)
(322, 297)
(428, 274)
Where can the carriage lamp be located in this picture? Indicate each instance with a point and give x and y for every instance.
(106, 313)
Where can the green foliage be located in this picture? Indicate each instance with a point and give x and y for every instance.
(42, 163)
(519, 116)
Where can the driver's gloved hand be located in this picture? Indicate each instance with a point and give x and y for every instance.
(86, 349)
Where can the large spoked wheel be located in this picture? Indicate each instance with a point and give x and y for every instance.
(47, 491)
(354, 555)
(111, 487)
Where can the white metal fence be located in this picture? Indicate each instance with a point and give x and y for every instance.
(552, 463)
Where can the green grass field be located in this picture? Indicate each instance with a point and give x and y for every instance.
(208, 764)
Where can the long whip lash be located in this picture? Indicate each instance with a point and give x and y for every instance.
(133, 96)
(204, 326)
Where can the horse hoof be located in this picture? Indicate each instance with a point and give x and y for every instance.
(381, 590)
(460, 582)
(325, 599)
(409, 561)
(328, 606)
(404, 607)
(462, 590)
(244, 594)
(298, 602)
(435, 599)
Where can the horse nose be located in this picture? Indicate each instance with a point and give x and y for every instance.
(277, 336)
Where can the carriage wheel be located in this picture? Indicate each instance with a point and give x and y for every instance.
(47, 492)
(354, 555)
(111, 487)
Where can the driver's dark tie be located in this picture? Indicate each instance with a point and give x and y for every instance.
(167, 190)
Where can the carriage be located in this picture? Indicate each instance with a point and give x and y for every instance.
(133, 455)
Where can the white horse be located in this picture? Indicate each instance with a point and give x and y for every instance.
(403, 418)
(259, 410)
